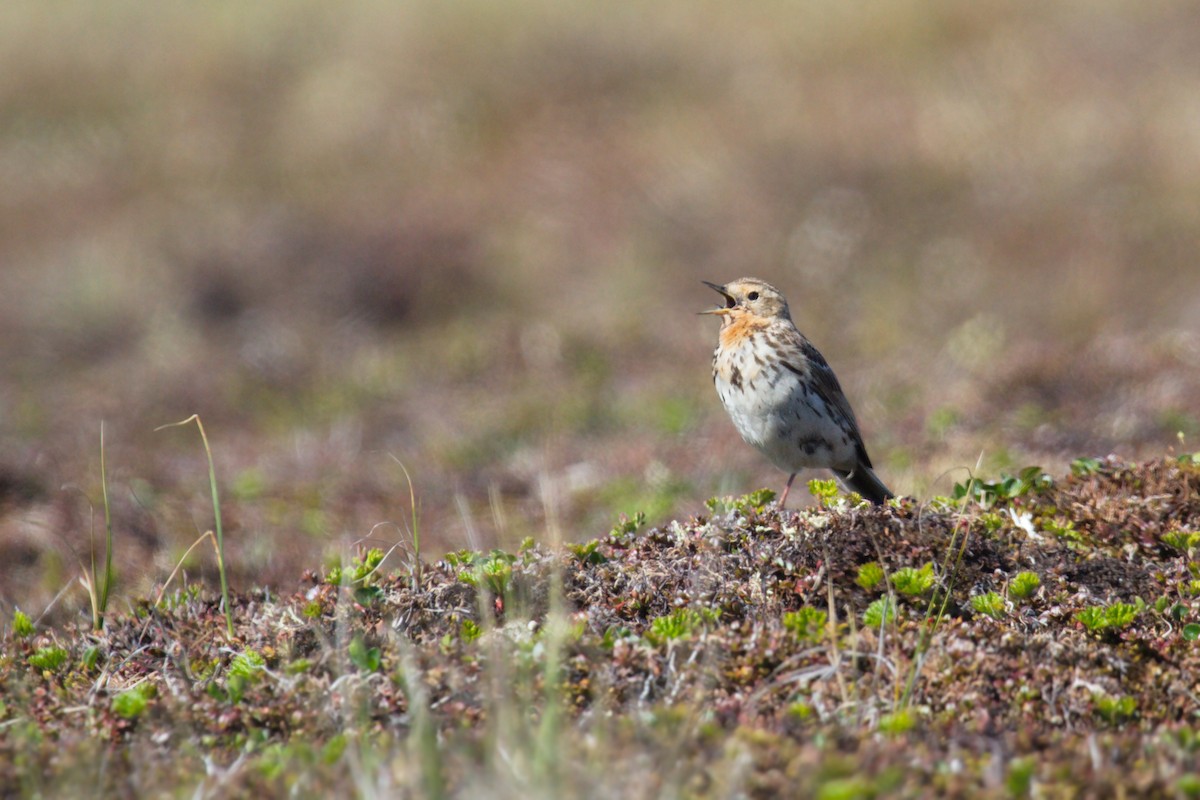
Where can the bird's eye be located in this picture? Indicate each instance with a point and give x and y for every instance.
(752, 296)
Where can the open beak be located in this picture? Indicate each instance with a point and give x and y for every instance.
(729, 301)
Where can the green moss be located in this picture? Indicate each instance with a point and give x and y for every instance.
(22, 626)
(879, 613)
(991, 604)
(1023, 585)
(870, 576)
(51, 659)
(913, 581)
(132, 702)
(806, 623)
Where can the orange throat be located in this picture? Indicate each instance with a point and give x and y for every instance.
(739, 328)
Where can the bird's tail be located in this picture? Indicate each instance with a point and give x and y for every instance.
(863, 480)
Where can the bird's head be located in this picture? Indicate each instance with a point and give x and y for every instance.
(749, 296)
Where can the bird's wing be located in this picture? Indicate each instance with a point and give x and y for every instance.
(798, 350)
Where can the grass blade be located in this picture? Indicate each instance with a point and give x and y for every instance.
(216, 504)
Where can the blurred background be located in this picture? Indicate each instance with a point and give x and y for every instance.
(468, 238)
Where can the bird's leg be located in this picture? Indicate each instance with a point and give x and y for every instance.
(786, 489)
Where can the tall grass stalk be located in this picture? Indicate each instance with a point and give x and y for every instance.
(108, 535)
(216, 503)
(98, 587)
(415, 531)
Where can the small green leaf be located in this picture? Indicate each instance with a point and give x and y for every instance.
(1113, 616)
(22, 625)
(248, 664)
(826, 491)
(470, 630)
(588, 552)
(679, 624)
(628, 527)
(1191, 631)
(1114, 710)
(912, 581)
(879, 613)
(368, 595)
(1184, 541)
(91, 657)
(991, 604)
(897, 723)
(806, 623)
(365, 566)
(870, 575)
(365, 658)
(48, 658)
(1007, 487)
(496, 573)
(299, 666)
(756, 501)
(1024, 584)
(130, 703)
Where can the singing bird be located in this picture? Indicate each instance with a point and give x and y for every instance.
(781, 394)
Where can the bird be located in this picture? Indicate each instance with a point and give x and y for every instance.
(780, 392)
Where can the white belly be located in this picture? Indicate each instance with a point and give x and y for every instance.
(791, 427)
